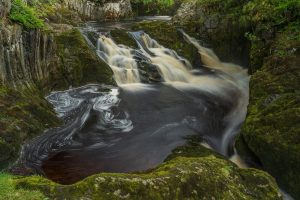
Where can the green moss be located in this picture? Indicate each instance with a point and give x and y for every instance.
(179, 178)
(24, 115)
(271, 130)
(121, 36)
(78, 64)
(9, 191)
(192, 148)
(154, 7)
(25, 15)
(219, 25)
(268, 18)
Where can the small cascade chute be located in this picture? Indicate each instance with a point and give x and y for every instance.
(120, 59)
(171, 66)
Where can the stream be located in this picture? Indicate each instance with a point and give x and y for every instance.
(136, 125)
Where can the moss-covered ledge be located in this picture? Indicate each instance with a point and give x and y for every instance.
(24, 114)
(181, 177)
(272, 131)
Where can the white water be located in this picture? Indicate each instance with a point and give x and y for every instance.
(120, 59)
(177, 72)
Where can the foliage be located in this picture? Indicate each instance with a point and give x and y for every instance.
(25, 15)
(272, 11)
(155, 7)
(165, 3)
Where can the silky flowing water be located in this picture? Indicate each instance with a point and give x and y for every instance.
(135, 126)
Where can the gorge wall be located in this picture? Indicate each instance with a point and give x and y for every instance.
(270, 135)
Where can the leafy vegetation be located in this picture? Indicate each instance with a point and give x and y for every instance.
(26, 15)
(266, 18)
(155, 7)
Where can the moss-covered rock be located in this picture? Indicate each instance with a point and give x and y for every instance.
(24, 114)
(271, 131)
(180, 177)
(121, 36)
(190, 172)
(219, 25)
(78, 64)
(268, 18)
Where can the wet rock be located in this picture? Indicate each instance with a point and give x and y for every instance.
(218, 26)
(91, 10)
(5, 6)
(25, 55)
(117, 10)
(78, 64)
(271, 130)
(167, 35)
(24, 115)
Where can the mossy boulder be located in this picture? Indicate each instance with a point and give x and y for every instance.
(78, 63)
(271, 131)
(192, 172)
(121, 36)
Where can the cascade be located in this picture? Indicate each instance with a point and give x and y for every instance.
(135, 126)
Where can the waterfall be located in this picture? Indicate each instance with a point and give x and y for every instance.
(120, 59)
(229, 81)
(171, 66)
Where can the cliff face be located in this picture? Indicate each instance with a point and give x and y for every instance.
(218, 25)
(25, 55)
(5, 6)
(90, 10)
